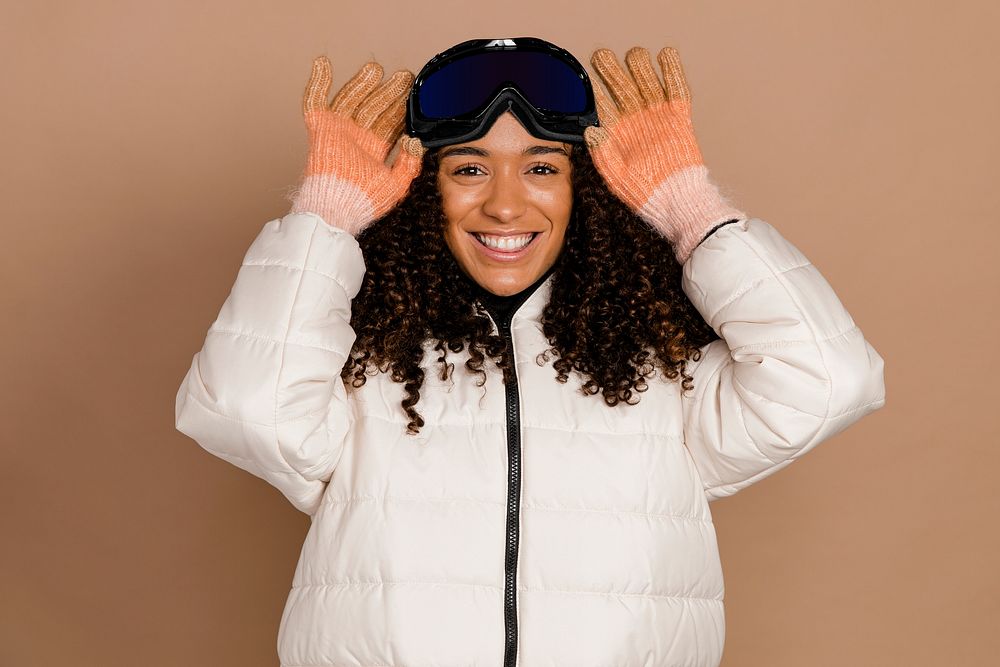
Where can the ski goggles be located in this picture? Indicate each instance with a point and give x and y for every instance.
(460, 92)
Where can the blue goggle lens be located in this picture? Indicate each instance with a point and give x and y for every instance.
(464, 85)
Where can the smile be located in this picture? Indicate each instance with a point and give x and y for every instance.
(507, 243)
(505, 248)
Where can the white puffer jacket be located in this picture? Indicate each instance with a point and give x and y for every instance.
(528, 525)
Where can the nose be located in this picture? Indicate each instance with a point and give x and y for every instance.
(506, 199)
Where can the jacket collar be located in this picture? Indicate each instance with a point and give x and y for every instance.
(527, 304)
(533, 306)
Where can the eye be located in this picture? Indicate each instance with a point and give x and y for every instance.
(465, 170)
(541, 165)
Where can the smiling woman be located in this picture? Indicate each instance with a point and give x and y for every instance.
(515, 517)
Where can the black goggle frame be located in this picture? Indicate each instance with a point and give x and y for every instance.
(506, 96)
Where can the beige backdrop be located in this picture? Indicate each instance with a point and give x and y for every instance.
(145, 144)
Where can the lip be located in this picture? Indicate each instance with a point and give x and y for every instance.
(502, 256)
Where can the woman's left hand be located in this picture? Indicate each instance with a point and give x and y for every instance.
(646, 150)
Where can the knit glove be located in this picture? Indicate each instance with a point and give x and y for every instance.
(645, 148)
(346, 180)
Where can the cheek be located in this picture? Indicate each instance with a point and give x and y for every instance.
(455, 203)
(558, 206)
(452, 238)
(451, 213)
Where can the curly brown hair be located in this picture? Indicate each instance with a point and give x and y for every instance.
(615, 309)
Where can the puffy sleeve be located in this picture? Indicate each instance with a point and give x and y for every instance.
(791, 369)
(264, 392)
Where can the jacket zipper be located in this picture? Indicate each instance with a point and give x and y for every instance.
(513, 498)
(513, 504)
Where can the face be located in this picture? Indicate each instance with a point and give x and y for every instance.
(499, 191)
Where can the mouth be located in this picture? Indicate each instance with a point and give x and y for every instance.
(505, 248)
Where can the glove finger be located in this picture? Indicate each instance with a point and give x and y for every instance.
(389, 125)
(619, 83)
(641, 67)
(626, 140)
(317, 92)
(609, 116)
(357, 89)
(383, 97)
(607, 112)
(595, 136)
(413, 146)
(673, 75)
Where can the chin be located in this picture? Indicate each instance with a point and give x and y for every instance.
(508, 287)
(501, 291)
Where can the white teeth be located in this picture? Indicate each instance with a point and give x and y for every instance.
(506, 243)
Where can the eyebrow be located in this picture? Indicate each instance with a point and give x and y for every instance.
(472, 150)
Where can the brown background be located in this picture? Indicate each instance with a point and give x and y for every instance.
(145, 144)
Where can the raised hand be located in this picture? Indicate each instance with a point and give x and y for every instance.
(346, 180)
(646, 149)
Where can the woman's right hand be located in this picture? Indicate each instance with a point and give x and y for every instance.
(346, 180)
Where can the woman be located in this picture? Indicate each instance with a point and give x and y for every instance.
(505, 512)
